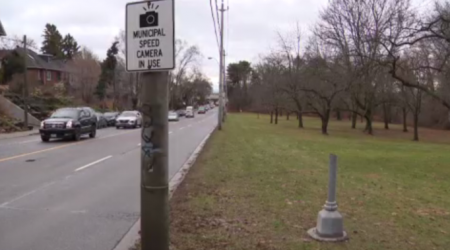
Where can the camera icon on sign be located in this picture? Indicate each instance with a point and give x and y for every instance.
(149, 19)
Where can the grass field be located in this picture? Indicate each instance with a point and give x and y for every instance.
(260, 186)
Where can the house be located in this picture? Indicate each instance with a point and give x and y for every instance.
(41, 69)
(2, 30)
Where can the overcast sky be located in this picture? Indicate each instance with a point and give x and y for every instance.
(251, 25)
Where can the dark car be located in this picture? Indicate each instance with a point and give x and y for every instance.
(111, 118)
(181, 112)
(69, 123)
(101, 120)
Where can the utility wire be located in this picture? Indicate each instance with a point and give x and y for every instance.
(217, 15)
(214, 22)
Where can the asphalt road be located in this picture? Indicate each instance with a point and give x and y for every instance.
(82, 195)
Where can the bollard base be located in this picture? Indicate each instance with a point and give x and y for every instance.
(313, 234)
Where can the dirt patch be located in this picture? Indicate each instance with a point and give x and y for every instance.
(432, 212)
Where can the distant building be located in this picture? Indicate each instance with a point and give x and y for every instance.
(42, 69)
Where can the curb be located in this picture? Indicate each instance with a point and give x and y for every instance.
(130, 238)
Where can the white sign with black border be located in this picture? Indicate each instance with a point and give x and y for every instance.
(150, 35)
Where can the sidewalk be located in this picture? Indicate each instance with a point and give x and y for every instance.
(4, 136)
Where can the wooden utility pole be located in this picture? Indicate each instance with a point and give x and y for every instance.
(221, 79)
(154, 161)
(156, 20)
(25, 83)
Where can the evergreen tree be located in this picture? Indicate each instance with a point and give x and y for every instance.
(52, 43)
(69, 47)
(11, 64)
(108, 70)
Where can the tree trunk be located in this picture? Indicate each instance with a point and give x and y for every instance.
(405, 115)
(299, 114)
(368, 117)
(257, 115)
(325, 118)
(287, 116)
(300, 120)
(385, 116)
(416, 126)
(276, 116)
(354, 118)
(361, 119)
(280, 113)
(271, 117)
(338, 115)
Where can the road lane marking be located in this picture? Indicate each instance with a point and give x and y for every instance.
(93, 163)
(37, 152)
(4, 204)
(23, 142)
(57, 147)
(170, 132)
(108, 136)
(181, 128)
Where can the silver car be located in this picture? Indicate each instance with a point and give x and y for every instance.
(129, 119)
(173, 116)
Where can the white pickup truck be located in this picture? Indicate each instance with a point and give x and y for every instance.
(190, 112)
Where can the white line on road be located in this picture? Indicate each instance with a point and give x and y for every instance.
(170, 132)
(181, 128)
(4, 204)
(93, 163)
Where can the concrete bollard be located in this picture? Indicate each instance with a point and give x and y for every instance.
(330, 224)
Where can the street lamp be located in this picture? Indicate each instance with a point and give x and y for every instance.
(2, 30)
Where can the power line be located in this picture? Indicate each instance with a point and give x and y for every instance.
(217, 15)
(214, 22)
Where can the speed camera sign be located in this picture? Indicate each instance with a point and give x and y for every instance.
(150, 36)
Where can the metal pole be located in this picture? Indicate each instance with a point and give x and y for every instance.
(25, 84)
(154, 162)
(222, 10)
(330, 204)
(330, 224)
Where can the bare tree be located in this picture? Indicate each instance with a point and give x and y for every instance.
(294, 63)
(85, 72)
(356, 29)
(10, 43)
(187, 59)
(325, 80)
(270, 72)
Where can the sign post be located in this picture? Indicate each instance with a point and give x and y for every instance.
(150, 48)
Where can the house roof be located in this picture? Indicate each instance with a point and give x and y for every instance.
(2, 30)
(36, 61)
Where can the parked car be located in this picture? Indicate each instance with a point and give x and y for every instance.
(101, 121)
(206, 107)
(201, 110)
(190, 112)
(181, 112)
(129, 119)
(111, 118)
(68, 122)
(173, 116)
